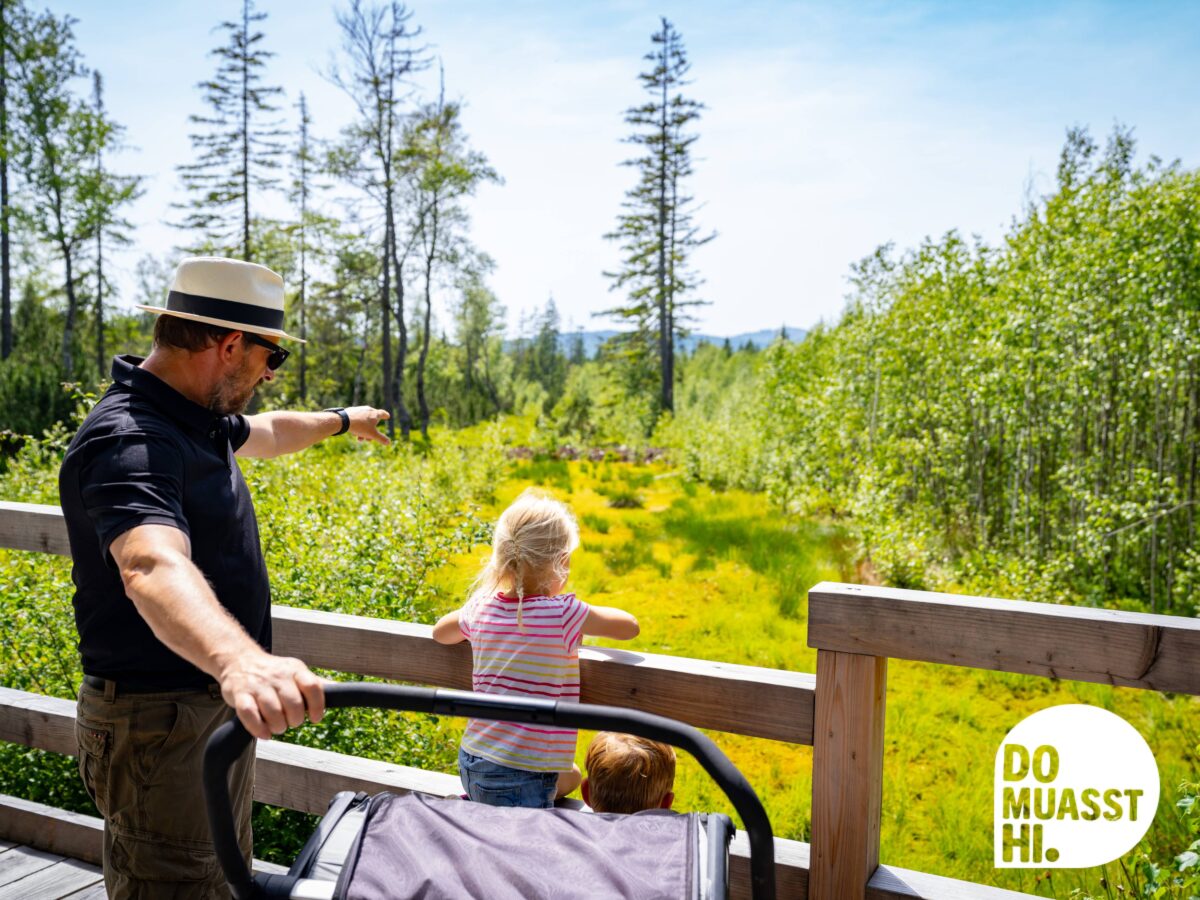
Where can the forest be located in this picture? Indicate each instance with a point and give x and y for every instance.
(1016, 419)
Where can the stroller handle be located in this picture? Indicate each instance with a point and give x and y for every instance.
(230, 740)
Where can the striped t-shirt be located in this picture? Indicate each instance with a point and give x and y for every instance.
(538, 659)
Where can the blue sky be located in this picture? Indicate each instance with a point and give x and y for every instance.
(830, 128)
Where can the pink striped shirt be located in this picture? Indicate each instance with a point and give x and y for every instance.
(539, 659)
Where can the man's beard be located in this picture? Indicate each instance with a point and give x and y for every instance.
(233, 394)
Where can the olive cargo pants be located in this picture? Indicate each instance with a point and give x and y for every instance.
(140, 756)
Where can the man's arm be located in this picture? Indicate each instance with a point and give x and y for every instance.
(276, 433)
(269, 693)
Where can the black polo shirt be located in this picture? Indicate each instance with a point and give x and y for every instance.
(148, 455)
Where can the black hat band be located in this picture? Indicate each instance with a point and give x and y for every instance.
(229, 310)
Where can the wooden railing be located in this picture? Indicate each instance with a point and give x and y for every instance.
(855, 630)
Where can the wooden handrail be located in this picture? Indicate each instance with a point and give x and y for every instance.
(33, 526)
(738, 699)
(748, 700)
(855, 630)
(1075, 643)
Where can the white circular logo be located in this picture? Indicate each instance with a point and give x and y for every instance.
(1076, 786)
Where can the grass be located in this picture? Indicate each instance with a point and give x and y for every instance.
(711, 575)
(719, 575)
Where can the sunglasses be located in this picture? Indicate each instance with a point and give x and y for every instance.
(278, 355)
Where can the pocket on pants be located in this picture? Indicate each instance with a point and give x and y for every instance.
(152, 859)
(95, 741)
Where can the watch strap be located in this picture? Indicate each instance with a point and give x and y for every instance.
(345, 417)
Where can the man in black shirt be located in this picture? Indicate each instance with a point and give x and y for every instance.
(172, 598)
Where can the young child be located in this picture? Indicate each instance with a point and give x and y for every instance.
(525, 635)
(627, 774)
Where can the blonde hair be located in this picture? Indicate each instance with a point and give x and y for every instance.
(627, 773)
(532, 544)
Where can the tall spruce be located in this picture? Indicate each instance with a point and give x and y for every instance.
(656, 231)
(239, 145)
(380, 57)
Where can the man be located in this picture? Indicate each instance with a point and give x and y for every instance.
(172, 601)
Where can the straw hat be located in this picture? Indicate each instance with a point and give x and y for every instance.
(227, 292)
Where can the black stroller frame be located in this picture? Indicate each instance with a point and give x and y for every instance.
(231, 739)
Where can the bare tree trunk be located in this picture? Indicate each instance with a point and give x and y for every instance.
(6, 335)
(246, 131)
(68, 341)
(405, 416)
(385, 328)
(429, 258)
(665, 343)
(100, 351)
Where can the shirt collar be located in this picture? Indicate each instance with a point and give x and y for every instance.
(126, 371)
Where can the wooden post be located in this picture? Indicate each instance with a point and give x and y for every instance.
(847, 774)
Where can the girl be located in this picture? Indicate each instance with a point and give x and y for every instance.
(525, 635)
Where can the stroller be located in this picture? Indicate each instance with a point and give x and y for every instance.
(401, 846)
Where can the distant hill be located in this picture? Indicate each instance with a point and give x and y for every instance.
(593, 339)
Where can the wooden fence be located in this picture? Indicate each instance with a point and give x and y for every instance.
(855, 630)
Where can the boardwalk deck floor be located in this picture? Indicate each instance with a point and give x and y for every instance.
(28, 874)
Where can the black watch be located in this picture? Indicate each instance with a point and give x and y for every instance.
(344, 417)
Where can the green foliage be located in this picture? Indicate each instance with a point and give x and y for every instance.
(1021, 418)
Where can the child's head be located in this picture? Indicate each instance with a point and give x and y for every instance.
(626, 774)
(532, 547)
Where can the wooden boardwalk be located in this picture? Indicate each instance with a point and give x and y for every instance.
(29, 874)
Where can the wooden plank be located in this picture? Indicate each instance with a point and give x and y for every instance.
(290, 775)
(306, 778)
(52, 830)
(1077, 643)
(22, 861)
(748, 700)
(36, 720)
(791, 868)
(58, 880)
(33, 526)
(6, 845)
(64, 833)
(96, 892)
(890, 883)
(847, 774)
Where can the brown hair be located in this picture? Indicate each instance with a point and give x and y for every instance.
(184, 334)
(627, 773)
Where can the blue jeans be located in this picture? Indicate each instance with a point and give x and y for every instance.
(497, 785)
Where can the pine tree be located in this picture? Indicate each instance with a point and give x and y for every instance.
(656, 231)
(239, 145)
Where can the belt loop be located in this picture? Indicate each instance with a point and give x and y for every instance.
(110, 690)
(214, 691)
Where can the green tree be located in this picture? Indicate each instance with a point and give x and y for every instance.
(656, 231)
(59, 139)
(239, 145)
(380, 56)
(442, 170)
(108, 194)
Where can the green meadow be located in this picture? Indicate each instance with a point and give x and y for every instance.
(710, 574)
(721, 576)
